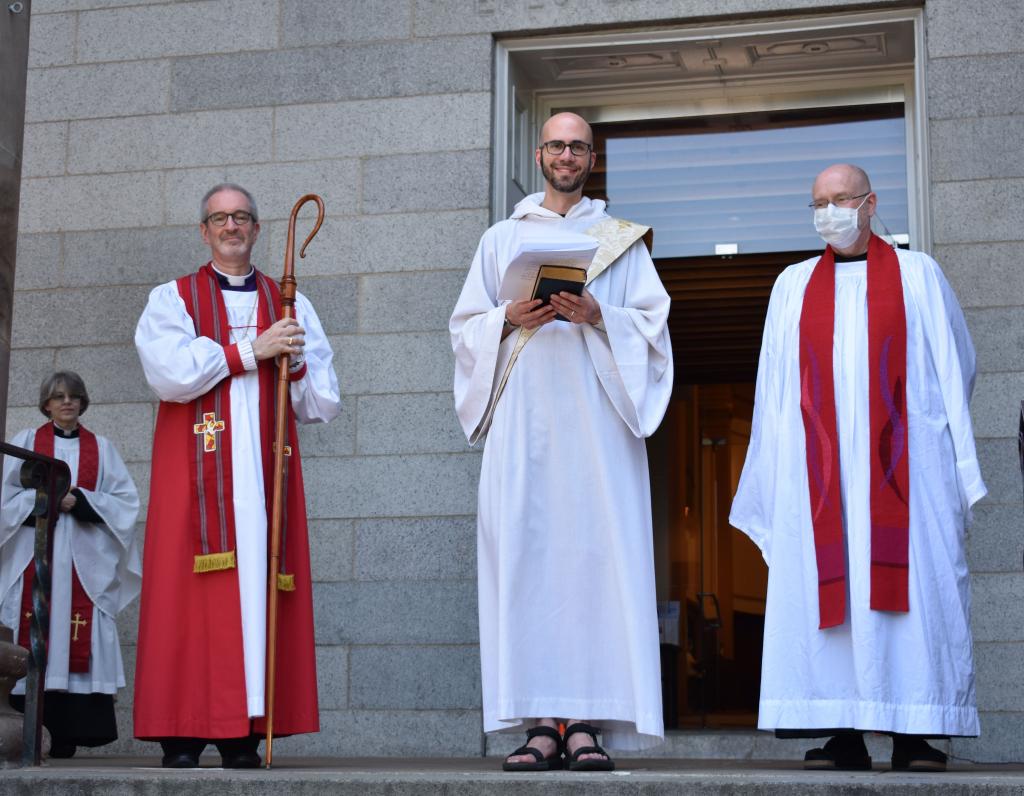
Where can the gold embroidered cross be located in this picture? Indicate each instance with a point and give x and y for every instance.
(209, 428)
(76, 623)
(287, 449)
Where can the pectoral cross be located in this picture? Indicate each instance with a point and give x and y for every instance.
(76, 623)
(209, 428)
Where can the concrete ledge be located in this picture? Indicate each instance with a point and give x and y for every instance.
(475, 776)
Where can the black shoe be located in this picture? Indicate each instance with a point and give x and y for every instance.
(180, 760)
(60, 750)
(911, 753)
(593, 763)
(242, 760)
(845, 752)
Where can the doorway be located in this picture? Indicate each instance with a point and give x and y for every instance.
(727, 197)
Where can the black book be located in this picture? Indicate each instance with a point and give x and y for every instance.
(556, 279)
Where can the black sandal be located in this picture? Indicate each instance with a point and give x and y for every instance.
(575, 764)
(540, 763)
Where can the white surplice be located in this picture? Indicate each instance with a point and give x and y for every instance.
(106, 557)
(180, 367)
(898, 672)
(568, 620)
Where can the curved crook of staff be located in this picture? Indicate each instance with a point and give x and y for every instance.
(281, 412)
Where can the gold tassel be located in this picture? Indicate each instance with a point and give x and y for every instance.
(214, 562)
(285, 582)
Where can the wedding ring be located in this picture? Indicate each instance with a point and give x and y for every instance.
(572, 314)
(289, 342)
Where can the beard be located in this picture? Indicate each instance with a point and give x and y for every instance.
(566, 183)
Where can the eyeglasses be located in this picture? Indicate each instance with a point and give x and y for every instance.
(578, 148)
(61, 397)
(842, 199)
(220, 219)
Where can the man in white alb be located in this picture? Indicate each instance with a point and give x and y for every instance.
(208, 343)
(857, 488)
(568, 621)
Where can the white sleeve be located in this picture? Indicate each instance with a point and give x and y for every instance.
(178, 365)
(316, 397)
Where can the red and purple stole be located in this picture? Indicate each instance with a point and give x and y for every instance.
(81, 605)
(210, 414)
(890, 455)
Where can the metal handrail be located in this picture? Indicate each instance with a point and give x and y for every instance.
(51, 478)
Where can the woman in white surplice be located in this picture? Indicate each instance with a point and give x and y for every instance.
(568, 624)
(94, 545)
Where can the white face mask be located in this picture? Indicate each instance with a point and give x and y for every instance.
(838, 225)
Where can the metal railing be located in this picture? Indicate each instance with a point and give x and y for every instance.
(51, 479)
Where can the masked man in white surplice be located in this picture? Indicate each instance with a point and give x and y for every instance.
(208, 343)
(857, 488)
(94, 569)
(568, 620)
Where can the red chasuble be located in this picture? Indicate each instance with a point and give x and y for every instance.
(190, 677)
(80, 647)
(890, 436)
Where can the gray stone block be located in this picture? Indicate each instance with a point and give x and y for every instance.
(21, 417)
(385, 126)
(331, 549)
(375, 612)
(415, 677)
(978, 85)
(387, 733)
(38, 263)
(997, 672)
(45, 149)
(276, 186)
(101, 201)
(982, 274)
(415, 549)
(978, 211)
(177, 29)
(437, 17)
(1001, 740)
(415, 423)
(28, 368)
(998, 335)
(986, 147)
(148, 256)
(408, 302)
(140, 473)
(401, 242)
(113, 373)
(392, 486)
(85, 92)
(1000, 469)
(408, 362)
(995, 409)
(994, 541)
(333, 297)
(440, 180)
(170, 141)
(309, 22)
(332, 669)
(998, 607)
(52, 40)
(54, 6)
(337, 438)
(44, 318)
(957, 28)
(333, 74)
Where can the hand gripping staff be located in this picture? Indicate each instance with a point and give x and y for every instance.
(283, 405)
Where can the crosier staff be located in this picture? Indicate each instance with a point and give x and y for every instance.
(282, 407)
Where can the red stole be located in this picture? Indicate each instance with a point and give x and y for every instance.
(81, 605)
(208, 419)
(890, 457)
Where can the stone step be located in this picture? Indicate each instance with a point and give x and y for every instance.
(472, 777)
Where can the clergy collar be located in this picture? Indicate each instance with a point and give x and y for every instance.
(850, 258)
(59, 432)
(244, 284)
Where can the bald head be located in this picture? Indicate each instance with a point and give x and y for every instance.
(842, 178)
(566, 127)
